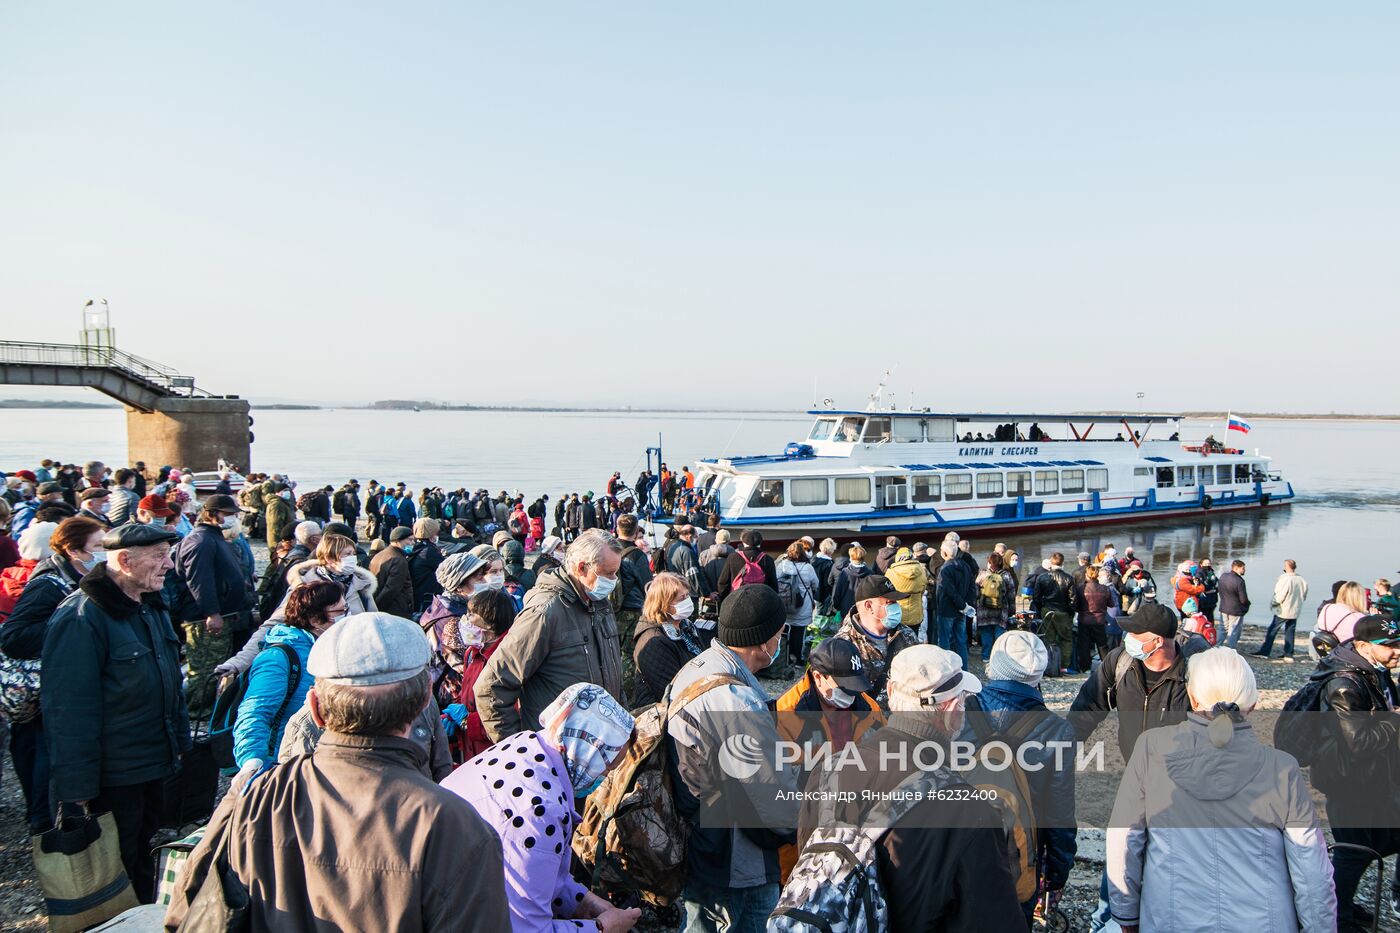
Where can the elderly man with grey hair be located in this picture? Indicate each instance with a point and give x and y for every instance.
(565, 634)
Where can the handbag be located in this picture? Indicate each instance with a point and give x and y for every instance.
(221, 905)
(189, 793)
(19, 689)
(79, 864)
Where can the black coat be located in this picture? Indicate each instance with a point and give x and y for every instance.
(22, 635)
(658, 657)
(1365, 748)
(956, 589)
(112, 695)
(1138, 710)
(733, 569)
(209, 568)
(1234, 595)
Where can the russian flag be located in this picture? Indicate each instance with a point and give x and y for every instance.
(1238, 424)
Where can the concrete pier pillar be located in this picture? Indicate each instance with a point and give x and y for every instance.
(191, 432)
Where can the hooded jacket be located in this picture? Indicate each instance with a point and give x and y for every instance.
(113, 697)
(280, 517)
(733, 569)
(354, 836)
(257, 732)
(1185, 805)
(12, 582)
(395, 593)
(22, 635)
(843, 589)
(561, 637)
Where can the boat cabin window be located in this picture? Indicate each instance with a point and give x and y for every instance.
(1142, 471)
(849, 429)
(1222, 474)
(1098, 480)
(928, 488)
(1241, 472)
(989, 485)
(822, 429)
(1018, 483)
(908, 431)
(808, 491)
(1185, 476)
(940, 430)
(877, 430)
(1047, 482)
(853, 490)
(1071, 481)
(1166, 477)
(957, 486)
(767, 494)
(1257, 474)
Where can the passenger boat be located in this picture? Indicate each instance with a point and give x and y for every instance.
(877, 472)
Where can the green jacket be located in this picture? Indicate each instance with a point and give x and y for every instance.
(280, 519)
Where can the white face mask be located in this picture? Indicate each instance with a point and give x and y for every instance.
(494, 581)
(683, 609)
(348, 563)
(839, 698)
(229, 523)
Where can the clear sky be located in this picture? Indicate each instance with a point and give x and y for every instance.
(1022, 205)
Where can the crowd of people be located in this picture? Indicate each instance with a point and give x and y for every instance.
(423, 695)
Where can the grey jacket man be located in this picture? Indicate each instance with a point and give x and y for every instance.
(1185, 805)
(561, 638)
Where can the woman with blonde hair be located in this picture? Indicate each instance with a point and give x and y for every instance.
(1341, 614)
(666, 638)
(1208, 792)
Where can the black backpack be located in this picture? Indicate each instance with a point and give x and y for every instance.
(1304, 737)
(225, 712)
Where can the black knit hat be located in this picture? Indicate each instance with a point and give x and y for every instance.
(750, 616)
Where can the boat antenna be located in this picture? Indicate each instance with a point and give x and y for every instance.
(879, 391)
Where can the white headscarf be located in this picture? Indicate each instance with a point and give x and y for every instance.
(590, 727)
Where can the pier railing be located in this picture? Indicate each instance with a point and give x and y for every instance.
(163, 379)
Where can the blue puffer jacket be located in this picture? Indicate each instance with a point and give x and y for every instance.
(255, 734)
(1052, 789)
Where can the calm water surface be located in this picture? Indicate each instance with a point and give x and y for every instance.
(1343, 525)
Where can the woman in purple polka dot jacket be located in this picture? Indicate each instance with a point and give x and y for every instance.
(524, 787)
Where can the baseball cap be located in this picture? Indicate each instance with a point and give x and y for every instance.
(928, 675)
(221, 503)
(877, 586)
(156, 505)
(839, 659)
(1150, 619)
(368, 649)
(1378, 630)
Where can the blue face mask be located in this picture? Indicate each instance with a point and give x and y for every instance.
(585, 791)
(603, 588)
(1135, 649)
(408, 549)
(894, 615)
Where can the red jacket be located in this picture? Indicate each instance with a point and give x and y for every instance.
(471, 740)
(12, 581)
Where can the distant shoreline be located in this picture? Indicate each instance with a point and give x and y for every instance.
(57, 404)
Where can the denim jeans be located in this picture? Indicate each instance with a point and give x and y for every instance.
(728, 910)
(1289, 626)
(1101, 920)
(1228, 632)
(989, 634)
(952, 635)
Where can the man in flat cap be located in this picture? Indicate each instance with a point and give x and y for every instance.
(356, 836)
(114, 712)
(94, 504)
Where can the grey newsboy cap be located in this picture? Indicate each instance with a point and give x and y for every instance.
(124, 536)
(368, 649)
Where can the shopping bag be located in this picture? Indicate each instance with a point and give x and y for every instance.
(189, 793)
(221, 905)
(79, 864)
(170, 863)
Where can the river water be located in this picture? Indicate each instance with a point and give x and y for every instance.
(1343, 525)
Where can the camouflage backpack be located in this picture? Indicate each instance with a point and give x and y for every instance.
(835, 885)
(632, 837)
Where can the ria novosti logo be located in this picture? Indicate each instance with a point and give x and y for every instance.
(741, 756)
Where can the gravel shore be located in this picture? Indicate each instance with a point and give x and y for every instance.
(21, 901)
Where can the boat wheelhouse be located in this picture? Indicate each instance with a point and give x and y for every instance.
(871, 472)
